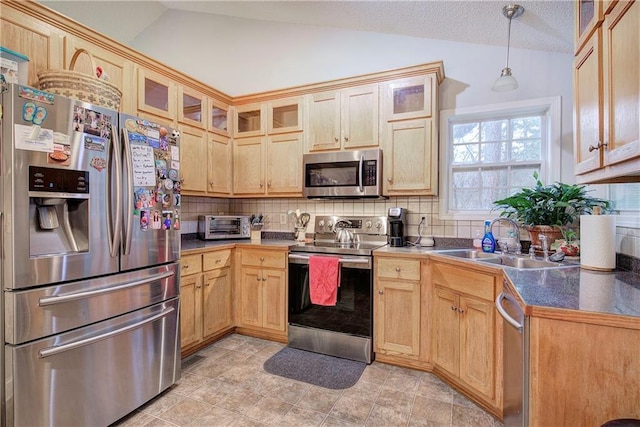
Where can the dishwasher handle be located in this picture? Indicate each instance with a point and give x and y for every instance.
(504, 313)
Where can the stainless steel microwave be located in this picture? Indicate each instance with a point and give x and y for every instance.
(343, 174)
(212, 227)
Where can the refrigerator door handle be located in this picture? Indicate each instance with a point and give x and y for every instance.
(59, 299)
(51, 351)
(114, 233)
(128, 212)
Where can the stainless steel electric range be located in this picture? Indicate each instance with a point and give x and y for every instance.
(346, 329)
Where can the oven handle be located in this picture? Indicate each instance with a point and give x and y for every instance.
(342, 260)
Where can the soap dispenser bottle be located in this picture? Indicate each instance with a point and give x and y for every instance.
(488, 241)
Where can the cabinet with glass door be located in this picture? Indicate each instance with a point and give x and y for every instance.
(156, 94)
(219, 117)
(192, 107)
(284, 115)
(249, 120)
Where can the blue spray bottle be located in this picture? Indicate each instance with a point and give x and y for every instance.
(488, 241)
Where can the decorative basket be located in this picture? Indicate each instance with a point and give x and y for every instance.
(77, 85)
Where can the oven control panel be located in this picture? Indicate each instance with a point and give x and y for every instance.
(371, 225)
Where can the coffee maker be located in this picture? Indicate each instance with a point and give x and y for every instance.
(396, 218)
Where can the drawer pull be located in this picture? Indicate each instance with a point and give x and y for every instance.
(218, 261)
(186, 266)
(460, 310)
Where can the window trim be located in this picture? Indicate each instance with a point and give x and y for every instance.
(551, 156)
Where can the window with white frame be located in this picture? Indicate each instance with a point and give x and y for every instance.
(488, 153)
(625, 200)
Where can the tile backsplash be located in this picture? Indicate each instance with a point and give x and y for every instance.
(628, 239)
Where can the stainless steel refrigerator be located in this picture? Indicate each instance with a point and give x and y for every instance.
(90, 217)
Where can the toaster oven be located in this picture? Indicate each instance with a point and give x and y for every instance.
(212, 227)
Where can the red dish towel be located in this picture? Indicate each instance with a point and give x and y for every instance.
(324, 279)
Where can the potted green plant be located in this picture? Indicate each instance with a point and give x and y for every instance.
(545, 209)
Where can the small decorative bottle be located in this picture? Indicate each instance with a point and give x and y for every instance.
(488, 241)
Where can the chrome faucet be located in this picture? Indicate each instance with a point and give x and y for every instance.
(516, 230)
(544, 242)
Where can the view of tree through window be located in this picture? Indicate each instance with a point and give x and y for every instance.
(494, 158)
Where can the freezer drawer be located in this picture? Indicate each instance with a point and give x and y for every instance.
(94, 375)
(42, 312)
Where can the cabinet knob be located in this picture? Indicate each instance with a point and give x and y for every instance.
(261, 258)
(389, 180)
(269, 183)
(381, 292)
(198, 286)
(258, 279)
(346, 139)
(264, 279)
(218, 261)
(597, 147)
(261, 185)
(206, 284)
(454, 308)
(211, 183)
(460, 310)
(336, 139)
(186, 266)
(398, 269)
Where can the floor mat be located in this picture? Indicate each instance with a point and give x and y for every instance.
(313, 368)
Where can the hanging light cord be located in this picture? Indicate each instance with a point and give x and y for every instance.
(509, 37)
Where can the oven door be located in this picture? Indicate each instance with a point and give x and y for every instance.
(352, 313)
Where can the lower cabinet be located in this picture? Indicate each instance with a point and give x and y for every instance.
(467, 337)
(205, 298)
(262, 291)
(398, 308)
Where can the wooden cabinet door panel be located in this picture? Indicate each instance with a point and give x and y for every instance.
(216, 305)
(359, 111)
(251, 297)
(621, 52)
(587, 94)
(274, 299)
(156, 94)
(397, 317)
(219, 165)
(284, 168)
(446, 330)
(477, 338)
(248, 165)
(411, 166)
(38, 41)
(190, 310)
(193, 165)
(324, 121)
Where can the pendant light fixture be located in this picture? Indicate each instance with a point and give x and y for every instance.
(506, 81)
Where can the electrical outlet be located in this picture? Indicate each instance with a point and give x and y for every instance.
(283, 219)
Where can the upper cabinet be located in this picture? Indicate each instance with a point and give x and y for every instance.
(343, 119)
(192, 107)
(284, 115)
(409, 129)
(607, 97)
(249, 120)
(588, 16)
(156, 94)
(219, 117)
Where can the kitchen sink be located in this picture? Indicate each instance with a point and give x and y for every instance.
(514, 261)
(521, 262)
(469, 254)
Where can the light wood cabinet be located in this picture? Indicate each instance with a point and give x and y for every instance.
(120, 71)
(398, 307)
(249, 120)
(219, 117)
(284, 164)
(285, 115)
(607, 96)
(409, 127)
(248, 166)
(466, 338)
(192, 107)
(262, 290)
(206, 298)
(588, 16)
(156, 94)
(343, 119)
(410, 160)
(583, 373)
(193, 163)
(41, 42)
(219, 165)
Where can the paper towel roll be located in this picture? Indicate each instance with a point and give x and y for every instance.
(597, 291)
(598, 242)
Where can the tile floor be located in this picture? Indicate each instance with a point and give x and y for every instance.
(225, 385)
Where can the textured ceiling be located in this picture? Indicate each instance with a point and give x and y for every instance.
(545, 25)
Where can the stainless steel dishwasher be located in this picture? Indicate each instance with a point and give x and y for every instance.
(516, 359)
